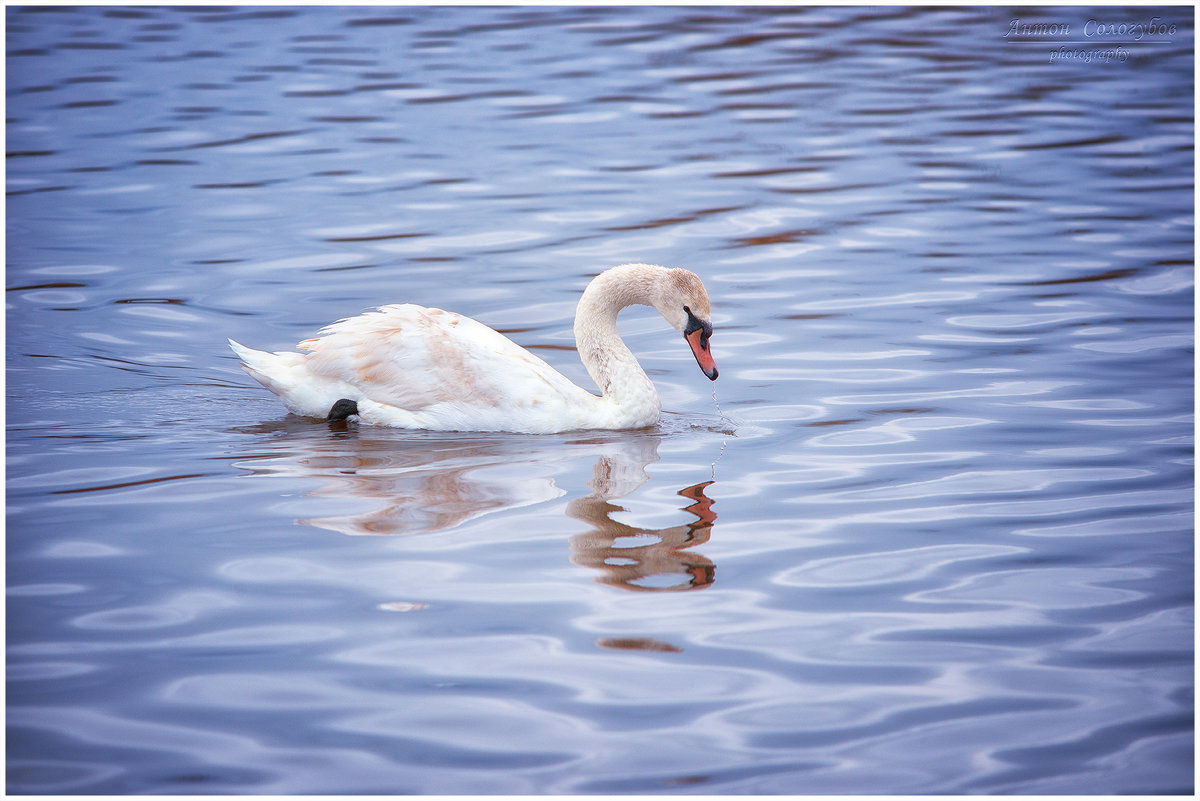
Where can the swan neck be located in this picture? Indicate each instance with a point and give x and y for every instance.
(607, 358)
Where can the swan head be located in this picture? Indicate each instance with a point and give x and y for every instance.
(684, 303)
(677, 294)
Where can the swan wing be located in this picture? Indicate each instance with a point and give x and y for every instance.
(420, 359)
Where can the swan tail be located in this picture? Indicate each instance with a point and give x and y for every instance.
(275, 371)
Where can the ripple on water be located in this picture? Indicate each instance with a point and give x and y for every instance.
(888, 567)
(134, 617)
(894, 431)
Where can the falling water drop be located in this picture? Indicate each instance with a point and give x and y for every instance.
(726, 424)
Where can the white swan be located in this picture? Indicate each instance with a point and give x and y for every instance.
(413, 367)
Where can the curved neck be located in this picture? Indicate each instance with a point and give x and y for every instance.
(608, 360)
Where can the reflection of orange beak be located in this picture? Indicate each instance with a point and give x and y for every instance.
(699, 343)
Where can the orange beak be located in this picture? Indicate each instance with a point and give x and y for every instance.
(698, 340)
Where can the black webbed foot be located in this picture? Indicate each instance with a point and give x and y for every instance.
(342, 409)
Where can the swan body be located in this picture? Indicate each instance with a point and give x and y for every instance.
(410, 366)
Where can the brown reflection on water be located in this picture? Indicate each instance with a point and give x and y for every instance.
(641, 559)
(637, 644)
(426, 484)
(410, 485)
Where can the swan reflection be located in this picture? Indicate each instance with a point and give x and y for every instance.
(409, 483)
(636, 558)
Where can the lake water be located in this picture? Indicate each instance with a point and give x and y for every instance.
(932, 534)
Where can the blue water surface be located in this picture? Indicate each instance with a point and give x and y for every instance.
(933, 533)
